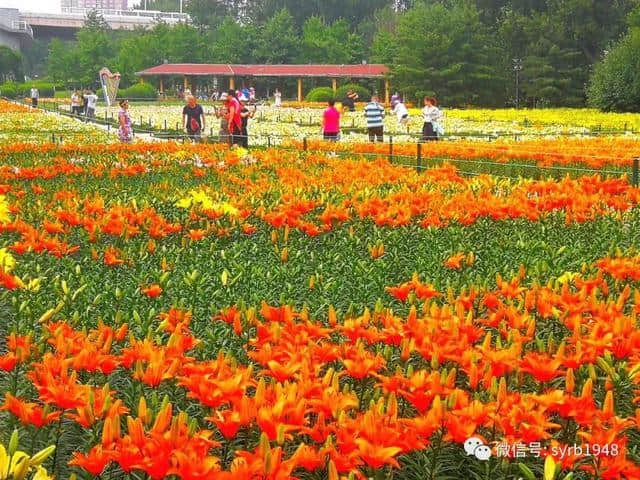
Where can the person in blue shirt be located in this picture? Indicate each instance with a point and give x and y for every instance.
(374, 114)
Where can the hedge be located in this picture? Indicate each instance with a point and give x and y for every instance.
(139, 91)
(320, 94)
(16, 89)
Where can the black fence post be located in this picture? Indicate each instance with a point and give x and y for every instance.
(304, 144)
(390, 148)
(268, 141)
(419, 157)
(636, 162)
(165, 124)
(53, 138)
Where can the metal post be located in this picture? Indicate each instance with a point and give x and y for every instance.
(268, 141)
(419, 157)
(391, 149)
(636, 164)
(53, 138)
(165, 124)
(304, 144)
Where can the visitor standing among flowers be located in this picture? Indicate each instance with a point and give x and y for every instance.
(75, 103)
(245, 115)
(331, 122)
(125, 132)
(432, 116)
(34, 96)
(278, 98)
(374, 113)
(234, 118)
(193, 121)
(222, 113)
(401, 112)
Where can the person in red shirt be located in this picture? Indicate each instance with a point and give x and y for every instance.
(234, 118)
(331, 122)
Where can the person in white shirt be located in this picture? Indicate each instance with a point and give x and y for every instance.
(92, 101)
(432, 116)
(76, 105)
(278, 98)
(34, 96)
(401, 112)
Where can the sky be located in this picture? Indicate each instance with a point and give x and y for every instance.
(49, 6)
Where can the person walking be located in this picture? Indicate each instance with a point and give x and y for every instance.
(331, 122)
(234, 118)
(92, 101)
(193, 121)
(34, 96)
(401, 112)
(374, 114)
(75, 103)
(432, 117)
(278, 98)
(125, 131)
(350, 102)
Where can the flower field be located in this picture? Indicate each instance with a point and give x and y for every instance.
(296, 123)
(192, 312)
(19, 124)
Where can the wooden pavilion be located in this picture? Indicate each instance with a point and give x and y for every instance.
(191, 71)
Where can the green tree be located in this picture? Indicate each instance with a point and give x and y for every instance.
(61, 66)
(279, 40)
(351, 11)
(10, 64)
(448, 52)
(334, 43)
(233, 42)
(615, 83)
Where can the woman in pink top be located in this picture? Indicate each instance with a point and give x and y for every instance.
(331, 122)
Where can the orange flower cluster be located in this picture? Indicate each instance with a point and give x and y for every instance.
(10, 107)
(596, 152)
(309, 387)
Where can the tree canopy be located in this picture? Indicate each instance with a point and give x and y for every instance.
(462, 51)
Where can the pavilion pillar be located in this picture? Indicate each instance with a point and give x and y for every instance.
(387, 90)
(300, 89)
(232, 83)
(186, 83)
(334, 84)
(141, 79)
(161, 86)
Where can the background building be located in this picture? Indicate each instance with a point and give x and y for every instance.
(95, 4)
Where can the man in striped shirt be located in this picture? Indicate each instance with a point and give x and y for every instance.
(374, 113)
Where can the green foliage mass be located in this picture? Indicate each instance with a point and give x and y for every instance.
(615, 84)
(461, 51)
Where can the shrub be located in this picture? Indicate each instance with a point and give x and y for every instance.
(320, 94)
(363, 93)
(139, 91)
(15, 89)
(615, 83)
(8, 90)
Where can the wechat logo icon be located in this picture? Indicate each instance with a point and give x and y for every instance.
(475, 446)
